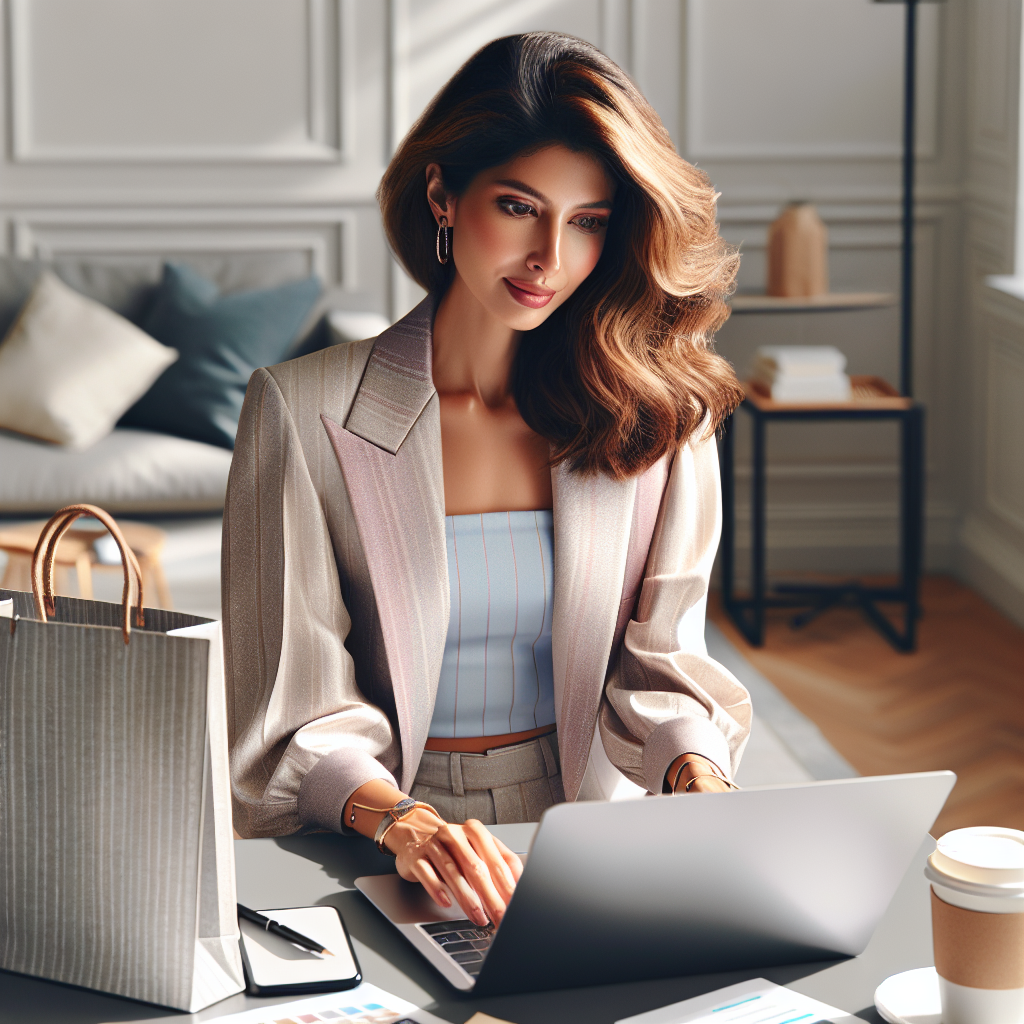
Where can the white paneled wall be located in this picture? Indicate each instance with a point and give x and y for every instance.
(798, 99)
(196, 91)
(191, 127)
(185, 127)
(991, 539)
(206, 126)
(830, 81)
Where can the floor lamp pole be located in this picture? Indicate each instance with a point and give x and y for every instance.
(907, 267)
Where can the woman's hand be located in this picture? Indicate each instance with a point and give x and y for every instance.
(692, 773)
(480, 871)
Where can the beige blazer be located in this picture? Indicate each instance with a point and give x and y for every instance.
(336, 600)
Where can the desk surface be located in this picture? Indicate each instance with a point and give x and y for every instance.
(320, 869)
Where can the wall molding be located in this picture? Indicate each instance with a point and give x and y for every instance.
(857, 201)
(699, 147)
(995, 40)
(329, 87)
(994, 566)
(845, 536)
(327, 237)
(1005, 358)
(835, 471)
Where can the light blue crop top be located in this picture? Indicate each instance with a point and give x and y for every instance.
(496, 675)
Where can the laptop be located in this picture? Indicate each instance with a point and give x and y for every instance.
(687, 884)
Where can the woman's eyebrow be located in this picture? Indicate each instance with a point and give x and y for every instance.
(521, 186)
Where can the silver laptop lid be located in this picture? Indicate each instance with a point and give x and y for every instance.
(707, 882)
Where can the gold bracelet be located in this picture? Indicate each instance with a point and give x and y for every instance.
(404, 806)
(731, 785)
(700, 764)
(679, 771)
(383, 830)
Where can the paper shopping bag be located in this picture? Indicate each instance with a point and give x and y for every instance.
(116, 853)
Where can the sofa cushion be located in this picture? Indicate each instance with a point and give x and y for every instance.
(339, 326)
(127, 284)
(127, 471)
(69, 367)
(222, 340)
(125, 287)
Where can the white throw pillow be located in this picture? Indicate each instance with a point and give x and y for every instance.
(70, 367)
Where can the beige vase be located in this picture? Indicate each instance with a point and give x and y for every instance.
(798, 253)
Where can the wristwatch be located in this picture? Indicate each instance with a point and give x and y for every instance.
(392, 817)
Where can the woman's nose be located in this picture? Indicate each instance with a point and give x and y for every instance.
(547, 256)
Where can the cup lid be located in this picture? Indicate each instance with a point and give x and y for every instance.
(984, 854)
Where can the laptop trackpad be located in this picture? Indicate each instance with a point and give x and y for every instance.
(404, 902)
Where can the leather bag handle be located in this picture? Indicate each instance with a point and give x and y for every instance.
(46, 551)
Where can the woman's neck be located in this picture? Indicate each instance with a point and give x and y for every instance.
(473, 352)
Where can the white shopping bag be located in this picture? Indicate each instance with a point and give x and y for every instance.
(116, 852)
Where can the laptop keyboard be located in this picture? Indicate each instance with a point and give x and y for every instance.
(466, 943)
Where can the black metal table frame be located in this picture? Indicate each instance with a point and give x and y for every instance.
(748, 613)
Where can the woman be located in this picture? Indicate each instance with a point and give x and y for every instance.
(466, 563)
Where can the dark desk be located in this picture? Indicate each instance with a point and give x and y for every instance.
(320, 870)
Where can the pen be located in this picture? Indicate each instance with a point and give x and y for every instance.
(276, 928)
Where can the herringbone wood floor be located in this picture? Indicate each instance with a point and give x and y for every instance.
(957, 702)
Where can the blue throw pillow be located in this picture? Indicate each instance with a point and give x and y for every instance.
(221, 340)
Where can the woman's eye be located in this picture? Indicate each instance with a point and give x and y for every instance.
(590, 223)
(515, 208)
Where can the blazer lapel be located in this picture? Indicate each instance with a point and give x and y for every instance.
(593, 517)
(389, 451)
(397, 383)
(650, 488)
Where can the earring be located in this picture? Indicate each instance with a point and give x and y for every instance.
(442, 232)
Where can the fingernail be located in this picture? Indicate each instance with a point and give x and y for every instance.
(443, 900)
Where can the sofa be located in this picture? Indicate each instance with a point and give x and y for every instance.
(133, 470)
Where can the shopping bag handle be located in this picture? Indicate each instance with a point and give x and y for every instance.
(46, 551)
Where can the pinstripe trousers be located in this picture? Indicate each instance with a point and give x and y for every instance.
(505, 785)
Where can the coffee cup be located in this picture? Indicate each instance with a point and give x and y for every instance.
(977, 883)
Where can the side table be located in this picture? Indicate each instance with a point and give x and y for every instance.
(873, 399)
(75, 551)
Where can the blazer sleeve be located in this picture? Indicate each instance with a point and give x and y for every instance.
(664, 695)
(302, 736)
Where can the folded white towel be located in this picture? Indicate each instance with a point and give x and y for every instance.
(773, 361)
(833, 388)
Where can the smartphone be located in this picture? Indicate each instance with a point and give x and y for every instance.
(276, 967)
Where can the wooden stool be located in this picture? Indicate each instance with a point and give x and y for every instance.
(76, 552)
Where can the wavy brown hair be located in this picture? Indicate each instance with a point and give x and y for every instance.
(623, 372)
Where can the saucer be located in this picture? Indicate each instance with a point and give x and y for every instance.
(910, 998)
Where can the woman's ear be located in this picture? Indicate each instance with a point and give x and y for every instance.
(442, 204)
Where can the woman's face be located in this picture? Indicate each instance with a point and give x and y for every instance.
(527, 233)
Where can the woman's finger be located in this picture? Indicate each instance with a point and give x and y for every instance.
(489, 851)
(474, 870)
(447, 865)
(422, 871)
(513, 860)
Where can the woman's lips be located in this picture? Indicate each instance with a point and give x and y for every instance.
(530, 296)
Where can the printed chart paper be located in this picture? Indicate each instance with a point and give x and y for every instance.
(751, 1002)
(364, 1004)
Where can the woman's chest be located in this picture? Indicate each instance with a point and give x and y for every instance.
(493, 462)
